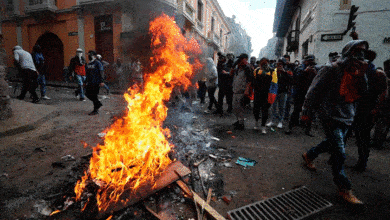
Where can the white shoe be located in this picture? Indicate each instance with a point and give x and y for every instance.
(207, 111)
(269, 124)
(263, 130)
(280, 125)
(78, 97)
(45, 98)
(256, 126)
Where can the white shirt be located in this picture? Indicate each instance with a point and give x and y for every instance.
(24, 59)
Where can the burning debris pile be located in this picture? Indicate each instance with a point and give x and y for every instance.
(137, 159)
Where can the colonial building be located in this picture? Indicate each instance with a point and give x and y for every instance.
(114, 28)
(320, 27)
(205, 21)
(240, 41)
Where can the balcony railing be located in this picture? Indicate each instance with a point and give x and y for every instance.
(86, 2)
(189, 12)
(199, 24)
(214, 38)
(41, 6)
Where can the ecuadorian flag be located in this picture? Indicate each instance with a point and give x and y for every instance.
(273, 89)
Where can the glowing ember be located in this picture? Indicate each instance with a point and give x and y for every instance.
(135, 149)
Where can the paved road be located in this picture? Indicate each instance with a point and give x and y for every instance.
(28, 172)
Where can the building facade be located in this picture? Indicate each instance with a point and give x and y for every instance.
(205, 21)
(240, 41)
(113, 28)
(320, 27)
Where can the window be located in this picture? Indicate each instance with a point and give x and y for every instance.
(212, 24)
(220, 33)
(200, 10)
(345, 4)
(305, 48)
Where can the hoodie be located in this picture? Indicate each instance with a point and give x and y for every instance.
(324, 93)
(23, 58)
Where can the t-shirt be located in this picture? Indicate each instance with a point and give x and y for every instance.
(94, 76)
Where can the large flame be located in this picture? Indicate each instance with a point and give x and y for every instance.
(135, 149)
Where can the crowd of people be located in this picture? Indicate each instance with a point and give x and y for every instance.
(346, 95)
(89, 75)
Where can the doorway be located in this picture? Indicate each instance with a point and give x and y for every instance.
(104, 41)
(53, 52)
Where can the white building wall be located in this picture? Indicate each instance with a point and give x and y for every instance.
(372, 25)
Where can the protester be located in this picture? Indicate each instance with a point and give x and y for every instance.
(381, 116)
(24, 62)
(333, 56)
(253, 63)
(211, 74)
(77, 69)
(225, 81)
(242, 77)
(265, 86)
(39, 62)
(289, 68)
(94, 80)
(284, 85)
(137, 77)
(105, 65)
(303, 77)
(333, 93)
(364, 120)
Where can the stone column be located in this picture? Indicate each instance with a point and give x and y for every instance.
(5, 99)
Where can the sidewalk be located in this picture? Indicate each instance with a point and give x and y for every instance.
(26, 116)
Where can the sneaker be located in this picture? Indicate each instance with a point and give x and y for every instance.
(99, 106)
(280, 125)
(78, 97)
(82, 99)
(94, 112)
(263, 130)
(308, 162)
(45, 98)
(269, 124)
(207, 111)
(256, 126)
(348, 196)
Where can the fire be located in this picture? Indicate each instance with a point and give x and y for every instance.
(135, 149)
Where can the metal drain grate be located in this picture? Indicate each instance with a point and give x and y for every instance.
(292, 205)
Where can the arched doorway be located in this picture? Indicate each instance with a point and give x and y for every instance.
(53, 52)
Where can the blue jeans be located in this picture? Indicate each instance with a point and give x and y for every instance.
(334, 144)
(42, 84)
(279, 107)
(80, 82)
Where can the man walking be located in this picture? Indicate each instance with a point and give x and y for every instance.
(94, 81)
(39, 62)
(24, 62)
(77, 68)
(333, 93)
(241, 82)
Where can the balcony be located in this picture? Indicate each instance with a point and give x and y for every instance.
(199, 25)
(189, 12)
(39, 6)
(212, 38)
(88, 2)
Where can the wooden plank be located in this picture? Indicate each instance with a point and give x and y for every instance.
(169, 176)
(208, 200)
(198, 200)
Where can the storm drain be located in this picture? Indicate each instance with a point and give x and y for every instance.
(294, 204)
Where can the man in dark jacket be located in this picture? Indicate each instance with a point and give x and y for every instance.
(225, 80)
(303, 77)
(94, 80)
(333, 93)
(77, 69)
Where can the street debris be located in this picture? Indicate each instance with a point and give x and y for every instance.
(245, 162)
(102, 134)
(40, 149)
(215, 138)
(68, 158)
(227, 199)
(229, 132)
(43, 208)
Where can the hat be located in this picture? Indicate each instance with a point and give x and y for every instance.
(282, 60)
(17, 47)
(92, 52)
(333, 54)
(309, 57)
(99, 56)
(79, 50)
(243, 56)
(346, 52)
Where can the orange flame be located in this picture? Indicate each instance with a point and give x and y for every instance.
(135, 149)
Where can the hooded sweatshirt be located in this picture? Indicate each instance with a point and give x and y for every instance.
(24, 58)
(324, 92)
(211, 73)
